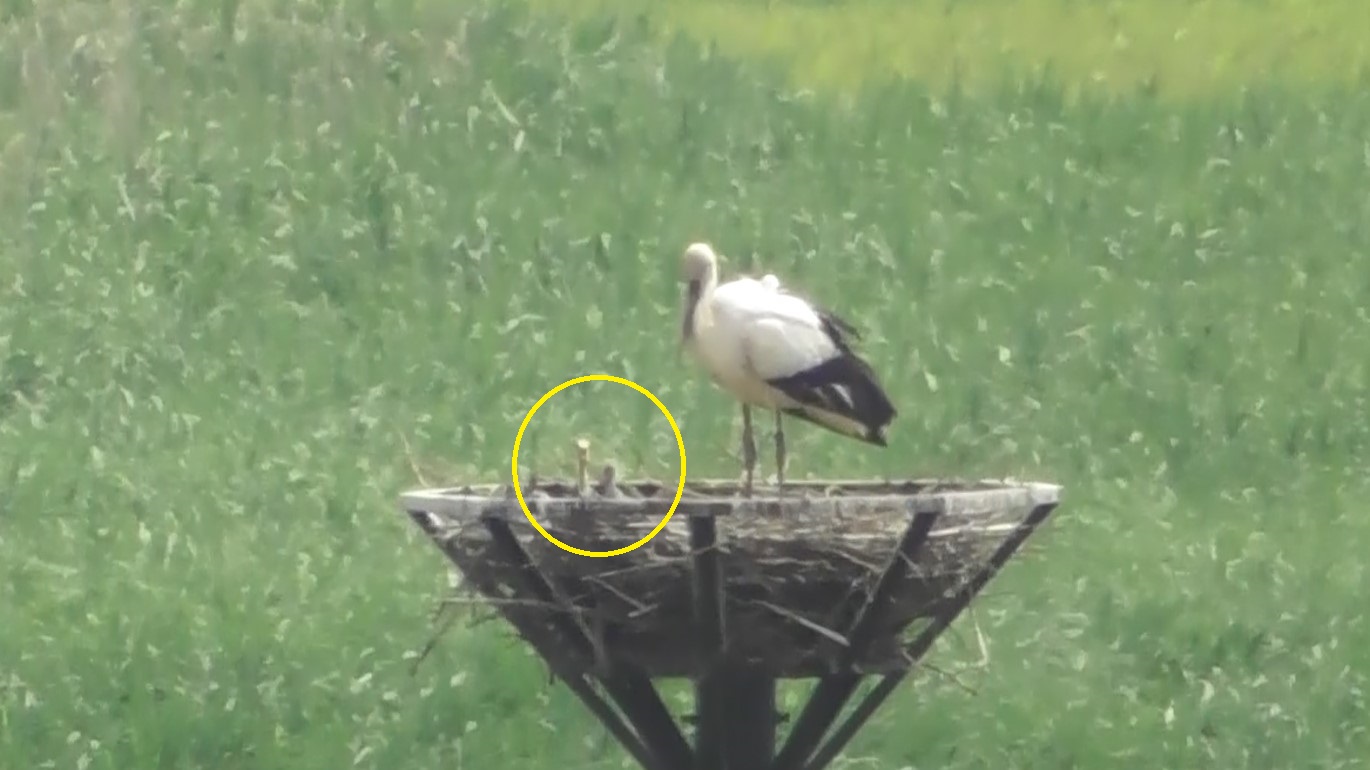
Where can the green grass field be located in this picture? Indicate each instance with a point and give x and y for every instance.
(248, 249)
(1178, 49)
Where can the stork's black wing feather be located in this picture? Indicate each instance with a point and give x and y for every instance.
(845, 386)
(838, 328)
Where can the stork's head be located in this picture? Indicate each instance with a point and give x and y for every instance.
(698, 263)
(698, 268)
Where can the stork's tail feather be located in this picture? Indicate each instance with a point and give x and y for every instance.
(843, 395)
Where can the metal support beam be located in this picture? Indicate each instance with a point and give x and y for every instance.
(563, 667)
(711, 685)
(735, 701)
(925, 639)
(631, 691)
(750, 717)
(833, 690)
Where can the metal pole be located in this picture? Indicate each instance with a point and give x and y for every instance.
(711, 684)
(750, 717)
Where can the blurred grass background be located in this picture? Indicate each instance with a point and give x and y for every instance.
(246, 247)
(1176, 49)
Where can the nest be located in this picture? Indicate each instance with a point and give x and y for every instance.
(796, 569)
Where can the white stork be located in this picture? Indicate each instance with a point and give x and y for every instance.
(774, 350)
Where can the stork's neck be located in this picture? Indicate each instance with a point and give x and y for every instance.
(696, 302)
(709, 282)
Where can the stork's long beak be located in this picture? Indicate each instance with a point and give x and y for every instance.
(687, 321)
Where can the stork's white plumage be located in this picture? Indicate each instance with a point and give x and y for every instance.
(774, 350)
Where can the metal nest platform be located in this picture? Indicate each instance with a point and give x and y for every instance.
(836, 580)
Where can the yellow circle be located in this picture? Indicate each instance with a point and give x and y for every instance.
(680, 442)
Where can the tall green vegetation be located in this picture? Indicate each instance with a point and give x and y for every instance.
(247, 251)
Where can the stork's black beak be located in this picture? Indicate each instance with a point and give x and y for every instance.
(687, 324)
(691, 299)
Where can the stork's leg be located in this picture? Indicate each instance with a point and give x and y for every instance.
(748, 451)
(779, 452)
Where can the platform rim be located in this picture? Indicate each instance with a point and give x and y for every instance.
(453, 501)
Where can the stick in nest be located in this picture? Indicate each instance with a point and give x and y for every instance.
(445, 608)
(454, 577)
(951, 676)
(638, 607)
(817, 628)
(432, 642)
(980, 642)
(409, 455)
(954, 676)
